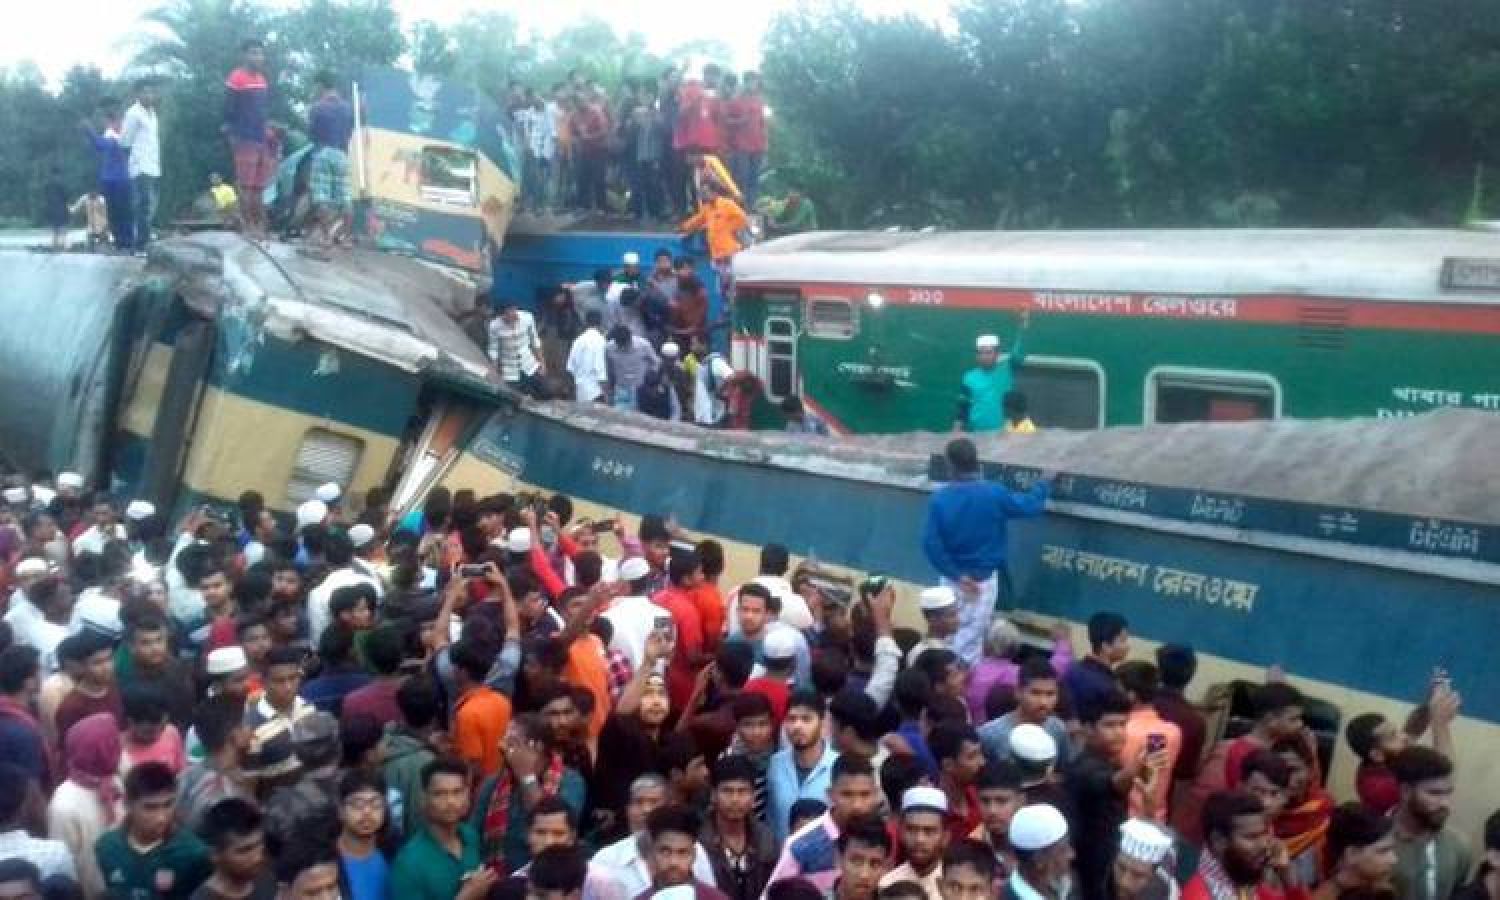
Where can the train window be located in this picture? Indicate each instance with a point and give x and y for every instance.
(781, 357)
(323, 457)
(1062, 392)
(1205, 395)
(450, 176)
(831, 317)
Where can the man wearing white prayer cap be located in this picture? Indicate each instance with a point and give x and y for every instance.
(634, 616)
(16, 497)
(139, 510)
(311, 512)
(1044, 854)
(939, 607)
(981, 393)
(1137, 873)
(69, 484)
(924, 837)
(329, 493)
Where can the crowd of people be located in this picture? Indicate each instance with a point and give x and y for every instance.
(489, 697)
(636, 152)
(630, 339)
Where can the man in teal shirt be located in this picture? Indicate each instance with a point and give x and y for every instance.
(442, 860)
(983, 389)
(147, 856)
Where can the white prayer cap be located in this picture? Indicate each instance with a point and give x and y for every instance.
(226, 661)
(634, 568)
(780, 643)
(987, 342)
(1037, 827)
(937, 598)
(360, 535)
(922, 797)
(1143, 841)
(312, 512)
(70, 480)
(631, 258)
(518, 541)
(138, 510)
(15, 496)
(670, 350)
(329, 493)
(41, 495)
(255, 551)
(676, 892)
(1032, 743)
(32, 567)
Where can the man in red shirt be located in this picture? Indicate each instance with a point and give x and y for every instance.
(960, 760)
(746, 118)
(683, 574)
(1278, 715)
(589, 125)
(1376, 740)
(1238, 861)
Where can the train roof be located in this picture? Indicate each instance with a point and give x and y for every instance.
(1384, 264)
(390, 308)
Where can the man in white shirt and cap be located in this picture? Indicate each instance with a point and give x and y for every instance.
(924, 837)
(362, 536)
(1138, 873)
(1044, 855)
(939, 607)
(586, 360)
(634, 616)
(1035, 754)
(714, 374)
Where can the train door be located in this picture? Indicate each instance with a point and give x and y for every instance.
(433, 441)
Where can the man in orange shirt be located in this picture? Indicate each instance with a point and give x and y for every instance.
(721, 219)
(1147, 731)
(586, 666)
(482, 714)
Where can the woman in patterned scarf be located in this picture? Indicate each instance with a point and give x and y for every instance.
(1303, 825)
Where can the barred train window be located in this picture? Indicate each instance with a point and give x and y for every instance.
(1192, 395)
(831, 317)
(323, 457)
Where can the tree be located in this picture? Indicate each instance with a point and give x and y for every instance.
(342, 37)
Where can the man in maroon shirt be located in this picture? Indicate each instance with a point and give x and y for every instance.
(1177, 663)
(383, 654)
(747, 137)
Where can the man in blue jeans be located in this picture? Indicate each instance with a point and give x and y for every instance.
(140, 135)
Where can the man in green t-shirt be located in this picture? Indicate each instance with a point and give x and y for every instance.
(442, 860)
(147, 857)
(981, 398)
(1432, 860)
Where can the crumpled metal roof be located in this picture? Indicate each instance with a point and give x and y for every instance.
(394, 309)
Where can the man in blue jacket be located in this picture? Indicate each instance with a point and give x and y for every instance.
(965, 539)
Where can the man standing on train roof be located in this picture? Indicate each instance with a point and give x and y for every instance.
(981, 394)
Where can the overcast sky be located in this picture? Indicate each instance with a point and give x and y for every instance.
(56, 34)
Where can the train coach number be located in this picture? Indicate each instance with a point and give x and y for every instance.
(925, 296)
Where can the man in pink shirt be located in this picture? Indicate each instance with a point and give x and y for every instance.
(1146, 730)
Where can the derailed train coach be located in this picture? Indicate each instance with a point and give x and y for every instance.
(218, 365)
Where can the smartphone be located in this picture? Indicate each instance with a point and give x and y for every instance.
(1156, 743)
(604, 527)
(472, 570)
(664, 627)
(873, 586)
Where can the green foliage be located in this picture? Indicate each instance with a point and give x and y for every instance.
(1080, 113)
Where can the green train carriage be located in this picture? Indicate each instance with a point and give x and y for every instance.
(875, 329)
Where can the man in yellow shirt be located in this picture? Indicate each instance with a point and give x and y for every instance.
(1016, 419)
(224, 197)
